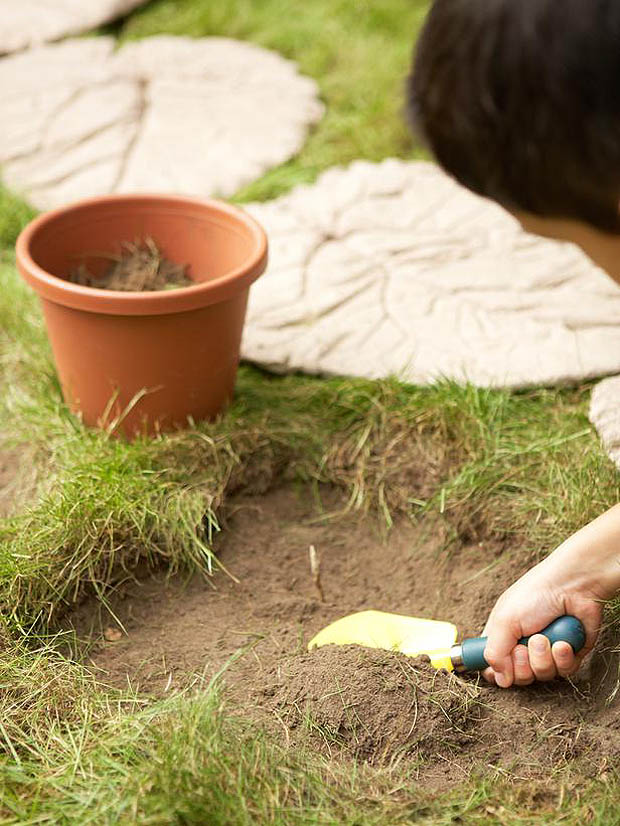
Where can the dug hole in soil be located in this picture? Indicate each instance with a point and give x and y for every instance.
(348, 702)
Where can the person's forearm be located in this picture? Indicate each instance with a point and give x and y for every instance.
(592, 556)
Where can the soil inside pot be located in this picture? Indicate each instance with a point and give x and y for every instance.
(352, 702)
(140, 267)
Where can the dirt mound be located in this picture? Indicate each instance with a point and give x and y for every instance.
(377, 706)
(373, 704)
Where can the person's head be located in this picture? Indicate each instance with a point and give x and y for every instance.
(519, 100)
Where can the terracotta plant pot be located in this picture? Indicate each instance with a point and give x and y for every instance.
(145, 361)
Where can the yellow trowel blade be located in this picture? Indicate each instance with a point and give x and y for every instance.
(392, 632)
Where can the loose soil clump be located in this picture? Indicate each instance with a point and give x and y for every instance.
(349, 702)
(374, 705)
(140, 267)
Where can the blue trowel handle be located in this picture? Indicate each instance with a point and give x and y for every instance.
(564, 629)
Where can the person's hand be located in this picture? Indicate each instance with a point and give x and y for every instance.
(529, 606)
(575, 579)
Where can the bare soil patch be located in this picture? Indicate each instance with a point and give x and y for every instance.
(371, 705)
(10, 466)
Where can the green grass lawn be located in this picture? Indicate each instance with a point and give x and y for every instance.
(520, 463)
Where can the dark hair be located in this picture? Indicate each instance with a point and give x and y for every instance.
(519, 100)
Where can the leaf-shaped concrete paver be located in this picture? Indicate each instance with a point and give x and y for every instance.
(26, 23)
(392, 268)
(605, 415)
(168, 114)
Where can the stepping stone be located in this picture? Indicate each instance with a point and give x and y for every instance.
(605, 415)
(392, 268)
(167, 114)
(25, 23)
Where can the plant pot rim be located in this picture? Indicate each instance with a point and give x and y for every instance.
(113, 302)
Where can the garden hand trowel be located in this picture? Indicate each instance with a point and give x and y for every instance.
(437, 640)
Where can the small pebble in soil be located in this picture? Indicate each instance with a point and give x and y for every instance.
(112, 634)
(140, 267)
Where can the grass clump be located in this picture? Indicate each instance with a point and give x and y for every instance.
(535, 465)
(99, 518)
(14, 215)
(179, 761)
(44, 698)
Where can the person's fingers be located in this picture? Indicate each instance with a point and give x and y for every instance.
(489, 675)
(564, 658)
(503, 672)
(523, 674)
(501, 639)
(541, 658)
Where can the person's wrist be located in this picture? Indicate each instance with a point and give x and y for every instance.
(588, 569)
